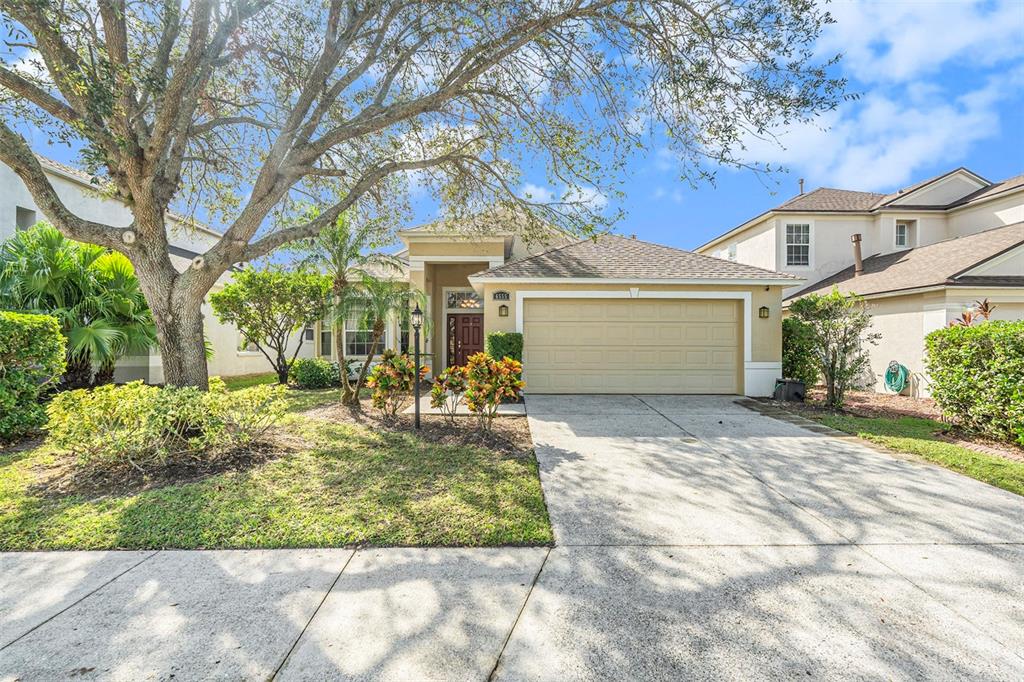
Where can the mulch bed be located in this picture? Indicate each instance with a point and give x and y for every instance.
(871, 404)
(508, 435)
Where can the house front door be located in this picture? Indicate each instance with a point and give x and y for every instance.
(465, 337)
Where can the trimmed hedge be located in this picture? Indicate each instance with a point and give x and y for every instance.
(314, 373)
(798, 361)
(32, 354)
(977, 376)
(505, 345)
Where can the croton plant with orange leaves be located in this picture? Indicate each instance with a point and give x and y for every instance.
(490, 381)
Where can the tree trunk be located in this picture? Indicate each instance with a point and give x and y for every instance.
(339, 342)
(282, 369)
(78, 373)
(105, 374)
(378, 334)
(179, 331)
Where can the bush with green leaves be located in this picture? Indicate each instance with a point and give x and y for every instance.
(798, 359)
(838, 327)
(448, 390)
(977, 376)
(489, 382)
(314, 373)
(114, 430)
(392, 380)
(32, 356)
(505, 345)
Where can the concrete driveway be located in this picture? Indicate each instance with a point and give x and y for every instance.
(695, 539)
(699, 539)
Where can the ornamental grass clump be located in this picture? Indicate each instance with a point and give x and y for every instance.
(489, 382)
(448, 391)
(392, 380)
(115, 430)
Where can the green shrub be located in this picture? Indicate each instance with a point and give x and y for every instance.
(116, 429)
(505, 345)
(447, 392)
(489, 382)
(392, 380)
(798, 359)
(977, 376)
(32, 354)
(314, 373)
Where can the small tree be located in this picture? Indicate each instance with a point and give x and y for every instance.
(268, 306)
(342, 252)
(798, 358)
(838, 326)
(377, 300)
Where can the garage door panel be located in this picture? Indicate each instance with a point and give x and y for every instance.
(628, 346)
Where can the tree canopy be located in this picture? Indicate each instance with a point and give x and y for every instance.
(250, 108)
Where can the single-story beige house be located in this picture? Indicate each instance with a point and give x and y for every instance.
(600, 315)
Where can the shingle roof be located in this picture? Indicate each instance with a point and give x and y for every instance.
(924, 266)
(830, 199)
(992, 190)
(614, 257)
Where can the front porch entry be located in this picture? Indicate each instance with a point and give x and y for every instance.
(465, 337)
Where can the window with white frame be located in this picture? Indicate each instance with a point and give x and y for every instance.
(732, 252)
(358, 335)
(245, 345)
(798, 244)
(902, 234)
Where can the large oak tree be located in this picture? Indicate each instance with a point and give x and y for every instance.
(247, 109)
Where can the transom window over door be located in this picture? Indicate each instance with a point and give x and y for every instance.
(463, 300)
(798, 244)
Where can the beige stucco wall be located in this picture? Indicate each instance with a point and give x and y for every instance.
(489, 248)
(986, 215)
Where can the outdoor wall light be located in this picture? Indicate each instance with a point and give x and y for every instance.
(762, 312)
(502, 311)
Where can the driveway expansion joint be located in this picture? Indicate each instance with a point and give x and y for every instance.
(497, 660)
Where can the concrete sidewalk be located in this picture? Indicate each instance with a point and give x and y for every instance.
(695, 538)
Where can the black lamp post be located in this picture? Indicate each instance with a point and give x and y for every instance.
(417, 322)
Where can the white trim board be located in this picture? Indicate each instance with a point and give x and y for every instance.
(783, 281)
(756, 381)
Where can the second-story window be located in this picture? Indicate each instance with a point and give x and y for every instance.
(798, 244)
(902, 232)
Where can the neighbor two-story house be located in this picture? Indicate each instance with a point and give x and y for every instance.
(921, 255)
(232, 355)
(607, 314)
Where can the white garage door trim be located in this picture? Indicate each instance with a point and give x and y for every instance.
(758, 377)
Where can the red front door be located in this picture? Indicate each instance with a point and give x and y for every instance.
(465, 337)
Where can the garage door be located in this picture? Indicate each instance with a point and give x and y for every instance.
(631, 346)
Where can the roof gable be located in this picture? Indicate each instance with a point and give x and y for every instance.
(939, 191)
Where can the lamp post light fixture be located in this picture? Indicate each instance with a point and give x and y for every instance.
(417, 321)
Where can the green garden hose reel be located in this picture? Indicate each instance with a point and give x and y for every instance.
(896, 376)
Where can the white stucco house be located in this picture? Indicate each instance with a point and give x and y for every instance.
(920, 255)
(187, 239)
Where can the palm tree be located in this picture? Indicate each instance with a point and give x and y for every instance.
(343, 252)
(380, 299)
(93, 293)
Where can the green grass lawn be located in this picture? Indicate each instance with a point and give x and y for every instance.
(350, 485)
(918, 437)
(247, 380)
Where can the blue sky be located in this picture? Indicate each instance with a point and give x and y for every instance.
(941, 85)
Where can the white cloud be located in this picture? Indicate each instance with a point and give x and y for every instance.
(591, 197)
(892, 42)
(882, 141)
(536, 193)
(911, 115)
(660, 193)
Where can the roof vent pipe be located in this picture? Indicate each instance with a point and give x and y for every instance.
(858, 262)
(801, 185)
